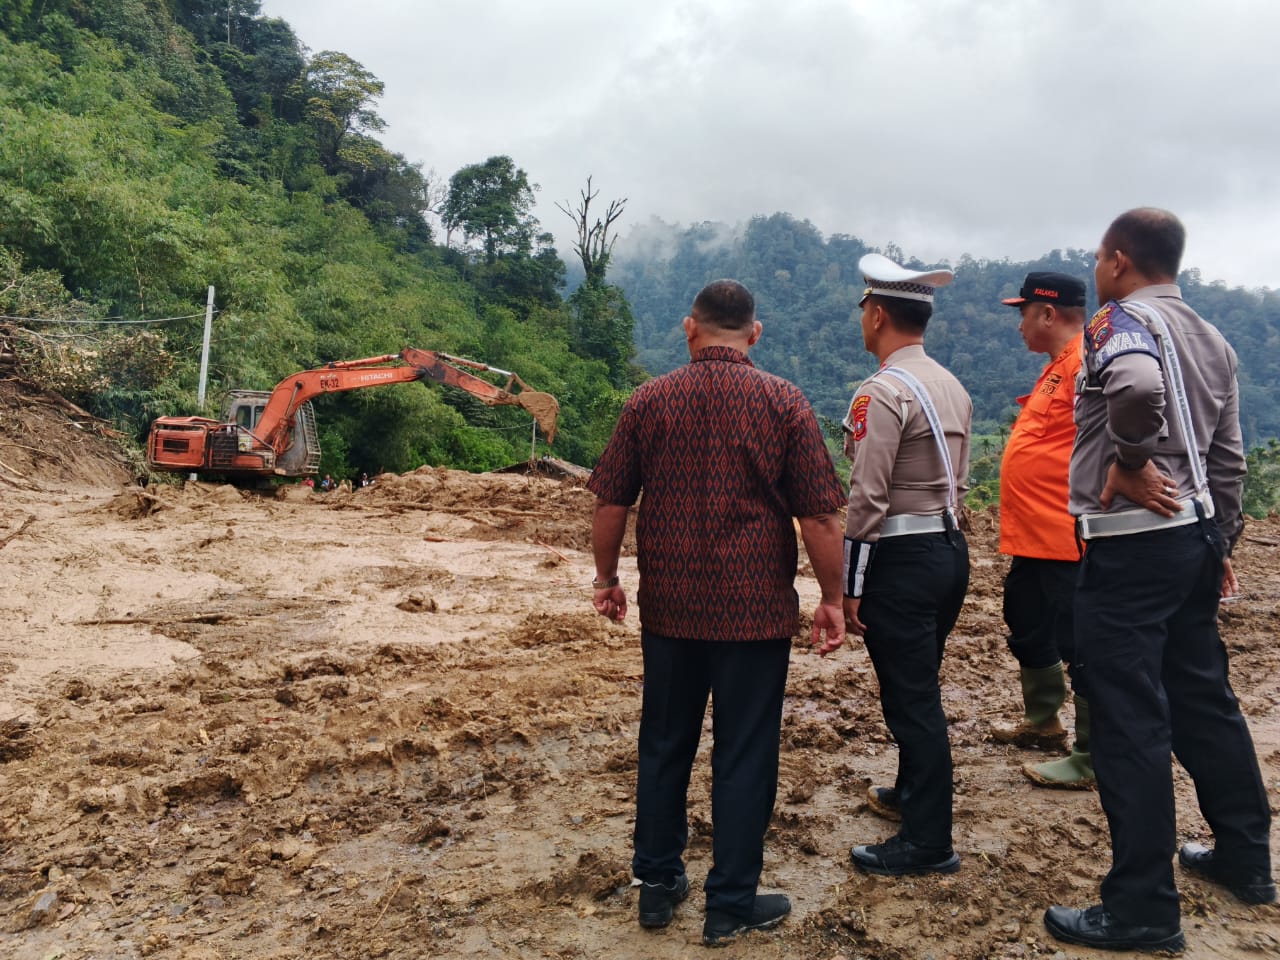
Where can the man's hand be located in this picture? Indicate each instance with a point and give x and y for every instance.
(611, 602)
(1230, 585)
(608, 524)
(1147, 487)
(852, 623)
(828, 628)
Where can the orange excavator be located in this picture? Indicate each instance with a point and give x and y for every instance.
(265, 434)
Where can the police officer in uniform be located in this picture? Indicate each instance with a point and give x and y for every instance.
(906, 563)
(1156, 479)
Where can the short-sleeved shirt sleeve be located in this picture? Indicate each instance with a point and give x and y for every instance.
(616, 477)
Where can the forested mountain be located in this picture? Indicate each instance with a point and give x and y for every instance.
(807, 287)
(150, 148)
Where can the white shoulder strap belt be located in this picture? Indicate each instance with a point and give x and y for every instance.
(1141, 520)
(935, 424)
(1182, 407)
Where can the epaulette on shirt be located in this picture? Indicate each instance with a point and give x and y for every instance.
(1114, 332)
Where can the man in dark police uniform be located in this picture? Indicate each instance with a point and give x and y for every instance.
(1156, 479)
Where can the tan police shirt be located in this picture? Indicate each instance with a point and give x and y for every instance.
(1124, 406)
(897, 468)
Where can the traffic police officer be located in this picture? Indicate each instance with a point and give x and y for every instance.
(1156, 479)
(906, 563)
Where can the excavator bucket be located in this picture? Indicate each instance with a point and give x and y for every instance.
(545, 410)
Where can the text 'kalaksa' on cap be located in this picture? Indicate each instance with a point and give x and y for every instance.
(884, 278)
(1048, 287)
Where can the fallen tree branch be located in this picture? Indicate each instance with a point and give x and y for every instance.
(13, 471)
(25, 523)
(399, 884)
(553, 550)
(54, 400)
(209, 618)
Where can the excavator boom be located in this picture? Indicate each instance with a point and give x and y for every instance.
(275, 433)
(443, 368)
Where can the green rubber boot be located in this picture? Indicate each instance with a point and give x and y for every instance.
(1043, 692)
(1074, 772)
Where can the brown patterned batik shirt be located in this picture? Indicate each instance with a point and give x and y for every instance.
(726, 455)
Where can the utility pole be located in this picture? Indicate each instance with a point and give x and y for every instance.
(204, 351)
(204, 357)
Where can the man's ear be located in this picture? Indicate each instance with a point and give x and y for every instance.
(690, 327)
(756, 329)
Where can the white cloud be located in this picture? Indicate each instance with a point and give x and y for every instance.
(990, 127)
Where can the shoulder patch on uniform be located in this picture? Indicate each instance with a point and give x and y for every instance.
(1112, 333)
(858, 416)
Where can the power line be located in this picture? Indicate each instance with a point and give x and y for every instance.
(105, 321)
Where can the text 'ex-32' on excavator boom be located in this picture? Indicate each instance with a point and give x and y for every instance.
(274, 433)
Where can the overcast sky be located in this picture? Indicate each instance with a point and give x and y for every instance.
(996, 128)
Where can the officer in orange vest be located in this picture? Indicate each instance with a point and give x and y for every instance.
(1039, 534)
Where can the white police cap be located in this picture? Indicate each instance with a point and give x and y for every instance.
(885, 278)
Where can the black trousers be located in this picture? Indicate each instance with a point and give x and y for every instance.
(1154, 671)
(914, 588)
(1038, 599)
(746, 681)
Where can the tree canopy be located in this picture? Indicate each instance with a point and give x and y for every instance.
(807, 287)
(491, 201)
(153, 149)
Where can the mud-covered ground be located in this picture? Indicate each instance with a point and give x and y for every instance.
(387, 724)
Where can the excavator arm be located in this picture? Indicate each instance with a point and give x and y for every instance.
(293, 391)
(259, 447)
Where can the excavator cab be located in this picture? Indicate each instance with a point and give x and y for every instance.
(246, 415)
(243, 409)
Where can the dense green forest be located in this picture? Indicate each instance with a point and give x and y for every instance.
(151, 148)
(807, 288)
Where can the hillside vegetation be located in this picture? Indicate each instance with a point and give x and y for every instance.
(152, 148)
(807, 287)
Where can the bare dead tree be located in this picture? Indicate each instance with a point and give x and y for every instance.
(435, 191)
(594, 245)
